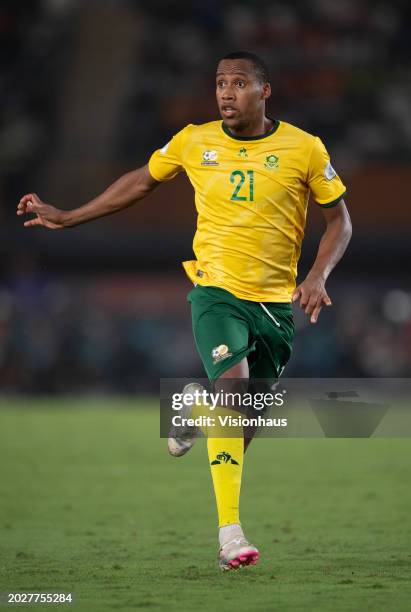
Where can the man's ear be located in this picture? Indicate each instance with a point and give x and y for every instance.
(266, 91)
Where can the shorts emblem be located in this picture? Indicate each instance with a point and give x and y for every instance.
(220, 352)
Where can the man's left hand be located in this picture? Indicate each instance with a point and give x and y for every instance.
(312, 295)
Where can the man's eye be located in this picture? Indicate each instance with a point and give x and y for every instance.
(220, 84)
(240, 84)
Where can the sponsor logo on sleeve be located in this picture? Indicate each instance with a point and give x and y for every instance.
(329, 172)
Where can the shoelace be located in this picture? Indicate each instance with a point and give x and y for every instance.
(238, 541)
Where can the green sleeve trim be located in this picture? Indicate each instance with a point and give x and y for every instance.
(334, 202)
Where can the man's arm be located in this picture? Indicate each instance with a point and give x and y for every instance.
(311, 292)
(127, 190)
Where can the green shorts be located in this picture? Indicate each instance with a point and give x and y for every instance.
(227, 329)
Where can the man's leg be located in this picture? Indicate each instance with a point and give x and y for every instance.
(229, 440)
(221, 326)
(226, 455)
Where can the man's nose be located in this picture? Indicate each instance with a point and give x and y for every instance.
(228, 93)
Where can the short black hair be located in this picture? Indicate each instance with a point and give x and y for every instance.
(260, 67)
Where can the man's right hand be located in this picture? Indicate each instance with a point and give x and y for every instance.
(124, 192)
(46, 215)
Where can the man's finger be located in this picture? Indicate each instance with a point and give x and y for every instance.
(34, 198)
(28, 203)
(34, 207)
(326, 300)
(32, 222)
(311, 304)
(29, 198)
(25, 198)
(21, 206)
(296, 294)
(304, 298)
(315, 313)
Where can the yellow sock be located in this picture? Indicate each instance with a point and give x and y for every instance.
(226, 462)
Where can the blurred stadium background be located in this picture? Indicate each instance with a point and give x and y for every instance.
(89, 89)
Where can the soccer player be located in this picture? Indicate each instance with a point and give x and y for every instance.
(252, 176)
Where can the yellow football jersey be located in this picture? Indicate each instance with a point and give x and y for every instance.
(251, 196)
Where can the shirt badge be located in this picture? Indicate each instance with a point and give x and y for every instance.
(210, 158)
(220, 352)
(272, 162)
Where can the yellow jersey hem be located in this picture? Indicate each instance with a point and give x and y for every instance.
(204, 280)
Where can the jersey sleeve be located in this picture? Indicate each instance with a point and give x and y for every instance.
(325, 184)
(167, 162)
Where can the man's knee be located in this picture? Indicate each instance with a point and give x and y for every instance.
(233, 383)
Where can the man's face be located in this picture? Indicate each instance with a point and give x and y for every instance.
(240, 95)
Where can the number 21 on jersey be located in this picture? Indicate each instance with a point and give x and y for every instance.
(238, 178)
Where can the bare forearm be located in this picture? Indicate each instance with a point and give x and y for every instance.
(332, 247)
(311, 292)
(123, 193)
(127, 190)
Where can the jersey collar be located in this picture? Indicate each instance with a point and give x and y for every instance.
(227, 131)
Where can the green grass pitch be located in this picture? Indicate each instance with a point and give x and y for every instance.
(90, 502)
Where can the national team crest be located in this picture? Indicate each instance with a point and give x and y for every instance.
(272, 162)
(220, 352)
